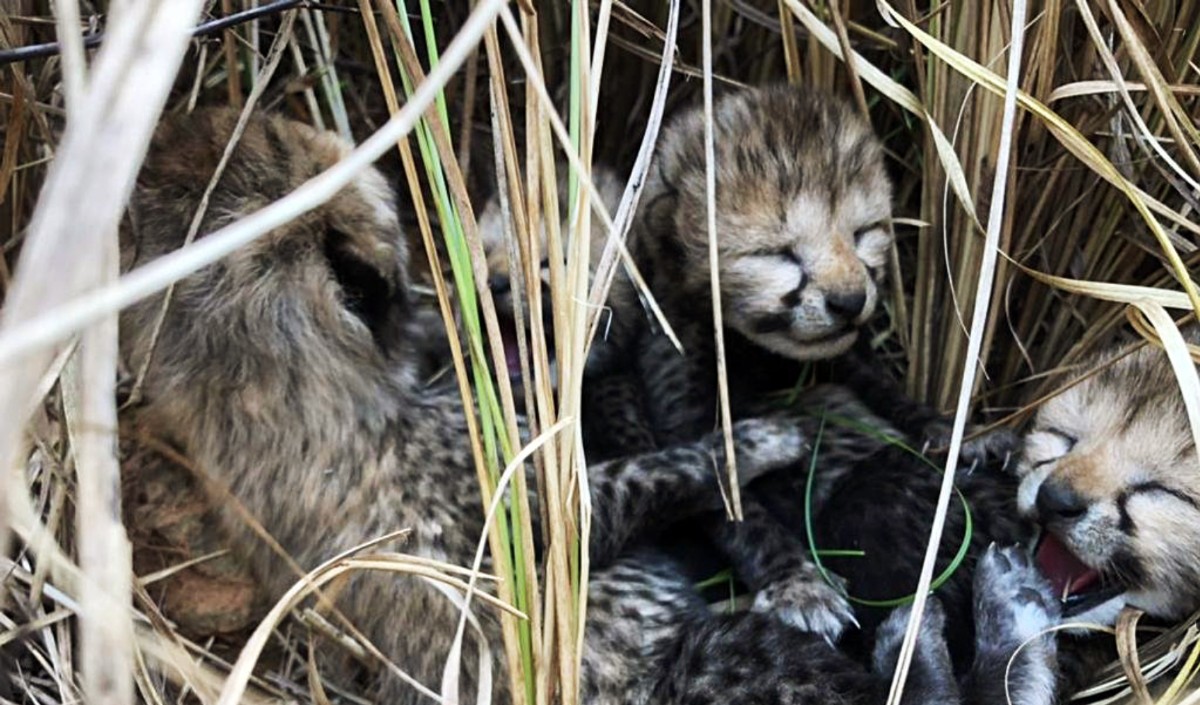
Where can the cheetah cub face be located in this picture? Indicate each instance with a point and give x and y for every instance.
(1110, 470)
(803, 216)
(492, 232)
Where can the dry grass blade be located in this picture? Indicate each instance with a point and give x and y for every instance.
(1157, 84)
(1078, 89)
(580, 170)
(1127, 648)
(987, 272)
(451, 675)
(1110, 62)
(606, 268)
(89, 399)
(323, 574)
(1070, 138)
(898, 94)
(1182, 362)
(734, 505)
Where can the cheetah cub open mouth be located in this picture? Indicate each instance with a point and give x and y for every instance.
(1110, 472)
(1080, 587)
(496, 249)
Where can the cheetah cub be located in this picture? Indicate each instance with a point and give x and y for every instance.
(1110, 471)
(285, 372)
(803, 228)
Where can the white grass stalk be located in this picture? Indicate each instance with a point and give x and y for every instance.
(734, 506)
(105, 555)
(74, 64)
(983, 294)
(106, 138)
(25, 335)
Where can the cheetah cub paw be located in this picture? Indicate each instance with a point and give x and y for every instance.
(806, 601)
(995, 448)
(1015, 610)
(764, 444)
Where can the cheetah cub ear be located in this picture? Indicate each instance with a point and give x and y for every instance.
(324, 290)
(804, 217)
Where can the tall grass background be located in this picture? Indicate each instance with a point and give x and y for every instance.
(1090, 217)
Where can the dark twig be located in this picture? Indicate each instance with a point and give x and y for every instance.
(91, 41)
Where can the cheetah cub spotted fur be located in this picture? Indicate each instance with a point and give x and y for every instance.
(803, 228)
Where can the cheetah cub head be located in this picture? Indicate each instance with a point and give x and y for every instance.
(803, 217)
(1110, 471)
(315, 309)
(496, 246)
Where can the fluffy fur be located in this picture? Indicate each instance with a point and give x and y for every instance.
(802, 229)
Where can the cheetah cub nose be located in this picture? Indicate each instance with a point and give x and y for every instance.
(847, 305)
(1058, 502)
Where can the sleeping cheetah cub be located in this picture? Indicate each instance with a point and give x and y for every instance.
(1111, 473)
(862, 475)
(803, 228)
(803, 231)
(284, 371)
(772, 176)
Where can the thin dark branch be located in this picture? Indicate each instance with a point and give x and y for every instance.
(37, 51)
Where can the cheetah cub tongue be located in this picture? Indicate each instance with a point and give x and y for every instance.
(1076, 584)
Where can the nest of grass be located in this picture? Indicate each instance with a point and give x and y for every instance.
(1090, 205)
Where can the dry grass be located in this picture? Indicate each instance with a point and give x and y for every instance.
(1095, 224)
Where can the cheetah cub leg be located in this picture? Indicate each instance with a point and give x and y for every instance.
(630, 495)
(775, 565)
(1014, 608)
(931, 676)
